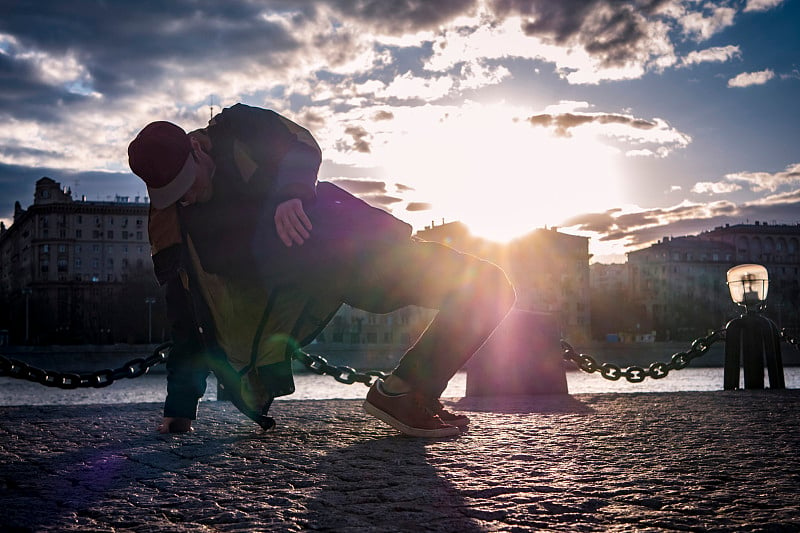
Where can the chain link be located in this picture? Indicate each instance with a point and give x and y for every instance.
(72, 380)
(342, 374)
(637, 374)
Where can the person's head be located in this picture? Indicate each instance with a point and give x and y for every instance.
(172, 164)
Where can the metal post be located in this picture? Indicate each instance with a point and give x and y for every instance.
(752, 340)
(27, 292)
(150, 301)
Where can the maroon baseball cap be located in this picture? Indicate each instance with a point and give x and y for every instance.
(162, 156)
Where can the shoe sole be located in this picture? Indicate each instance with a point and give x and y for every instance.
(449, 431)
(458, 423)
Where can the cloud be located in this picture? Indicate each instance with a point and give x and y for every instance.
(707, 187)
(562, 123)
(761, 5)
(717, 54)
(746, 79)
(766, 181)
(617, 33)
(418, 206)
(619, 126)
(702, 25)
(360, 136)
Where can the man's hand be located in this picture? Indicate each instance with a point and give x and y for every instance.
(175, 425)
(292, 223)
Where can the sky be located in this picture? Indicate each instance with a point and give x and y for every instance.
(622, 121)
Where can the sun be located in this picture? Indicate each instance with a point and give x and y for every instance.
(487, 167)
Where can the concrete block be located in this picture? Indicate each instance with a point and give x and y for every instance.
(523, 356)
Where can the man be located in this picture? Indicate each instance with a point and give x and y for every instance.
(238, 217)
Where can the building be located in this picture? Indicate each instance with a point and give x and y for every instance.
(65, 263)
(549, 269)
(678, 285)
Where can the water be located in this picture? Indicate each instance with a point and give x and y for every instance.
(152, 388)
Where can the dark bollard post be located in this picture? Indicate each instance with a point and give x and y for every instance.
(752, 339)
(523, 356)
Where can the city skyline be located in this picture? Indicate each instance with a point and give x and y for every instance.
(621, 121)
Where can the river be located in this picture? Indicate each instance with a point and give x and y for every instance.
(152, 387)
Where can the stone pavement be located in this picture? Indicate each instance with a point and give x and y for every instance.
(692, 461)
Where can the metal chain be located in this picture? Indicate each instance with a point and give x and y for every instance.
(637, 374)
(348, 375)
(73, 380)
(342, 374)
(17, 369)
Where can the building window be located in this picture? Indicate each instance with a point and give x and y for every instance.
(139, 235)
(62, 265)
(78, 234)
(125, 235)
(45, 248)
(62, 248)
(96, 248)
(77, 248)
(77, 263)
(110, 234)
(80, 219)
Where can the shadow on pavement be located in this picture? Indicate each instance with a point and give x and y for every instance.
(521, 404)
(386, 484)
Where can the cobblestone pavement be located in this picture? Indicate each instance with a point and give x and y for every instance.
(694, 461)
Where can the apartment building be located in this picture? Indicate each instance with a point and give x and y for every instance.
(678, 285)
(64, 262)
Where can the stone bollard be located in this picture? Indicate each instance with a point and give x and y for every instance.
(523, 356)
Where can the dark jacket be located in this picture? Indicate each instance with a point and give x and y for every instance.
(236, 295)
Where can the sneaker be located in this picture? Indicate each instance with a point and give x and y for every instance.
(454, 419)
(406, 413)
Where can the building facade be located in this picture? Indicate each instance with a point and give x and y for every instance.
(69, 270)
(549, 270)
(678, 285)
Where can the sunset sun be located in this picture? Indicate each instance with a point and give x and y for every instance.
(488, 167)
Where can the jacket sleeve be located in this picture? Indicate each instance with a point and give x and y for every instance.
(187, 369)
(285, 154)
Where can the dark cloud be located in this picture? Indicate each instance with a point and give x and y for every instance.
(360, 187)
(400, 16)
(563, 122)
(403, 188)
(643, 228)
(359, 135)
(383, 201)
(383, 115)
(126, 46)
(612, 30)
(418, 206)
